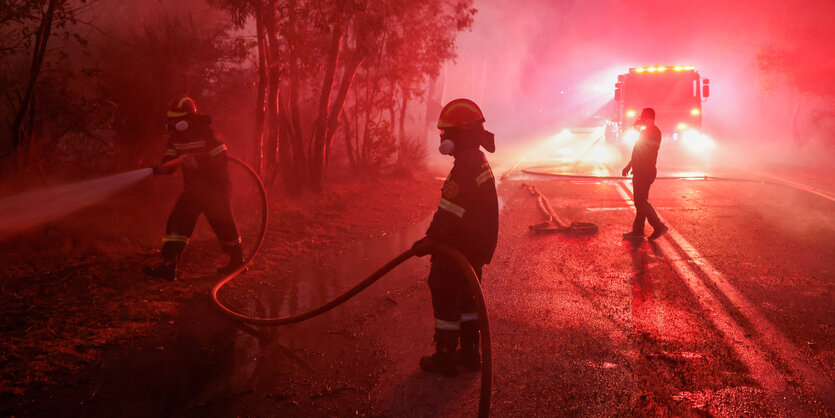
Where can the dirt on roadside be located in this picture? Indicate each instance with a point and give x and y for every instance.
(82, 324)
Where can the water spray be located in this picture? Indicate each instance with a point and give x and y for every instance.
(30, 209)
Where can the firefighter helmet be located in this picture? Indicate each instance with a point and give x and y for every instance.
(181, 105)
(460, 113)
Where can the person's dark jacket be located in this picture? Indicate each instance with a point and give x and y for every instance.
(645, 153)
(468, 213)
(200, 141)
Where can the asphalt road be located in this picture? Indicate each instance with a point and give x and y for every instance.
(729, 314)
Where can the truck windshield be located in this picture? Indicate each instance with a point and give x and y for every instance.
(661, 92)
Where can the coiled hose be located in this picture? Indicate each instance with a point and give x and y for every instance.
(442, 249)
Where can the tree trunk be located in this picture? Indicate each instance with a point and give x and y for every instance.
(257, 157)
(274, 78)
(349, 146)
(285, 154)
(403, 106)
(294, 127)
(320, 139)
(342, 94)
(41, 39)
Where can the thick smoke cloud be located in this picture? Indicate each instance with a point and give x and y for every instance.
(539, 65)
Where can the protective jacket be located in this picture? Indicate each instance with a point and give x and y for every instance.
(467, 217)
(200, 141)
(205, 190)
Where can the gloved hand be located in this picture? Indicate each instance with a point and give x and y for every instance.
(625, 171)
(189, 161)
(422, 246)
(163, 169)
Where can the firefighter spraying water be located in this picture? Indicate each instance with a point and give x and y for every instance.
(193, 147)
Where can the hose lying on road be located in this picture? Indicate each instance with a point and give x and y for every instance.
(808, 189)
(553, 223)
(453, 254)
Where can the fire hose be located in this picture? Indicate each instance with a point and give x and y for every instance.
(552, 222)
(539, 170)
(437, 248)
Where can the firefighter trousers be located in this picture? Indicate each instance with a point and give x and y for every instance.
(215, 205)
(643, 209)
(453, 303)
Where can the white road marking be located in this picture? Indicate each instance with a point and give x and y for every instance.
(755, 360)
(619, 208)
(828, 194)
(769, 336)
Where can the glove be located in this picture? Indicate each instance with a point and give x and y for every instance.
(625, 171)
(162, 169)
(189, 161)
(423, 246)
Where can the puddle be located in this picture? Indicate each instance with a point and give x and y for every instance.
(317, 283)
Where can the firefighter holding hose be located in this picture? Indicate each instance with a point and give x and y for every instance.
(467, 219)
(193, 147)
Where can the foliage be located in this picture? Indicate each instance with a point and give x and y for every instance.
(324, 55)
(803, 62)
(79, 83)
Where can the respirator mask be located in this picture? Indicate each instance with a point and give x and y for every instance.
(178, 125)
(476, 138)
(447, 147)
(482, 138)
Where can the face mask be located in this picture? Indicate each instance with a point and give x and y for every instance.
(179, 126)
(447, 147)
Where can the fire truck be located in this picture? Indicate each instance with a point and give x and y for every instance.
(675, 92)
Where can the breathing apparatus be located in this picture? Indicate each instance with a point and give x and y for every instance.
(466, 138)
(461, 122)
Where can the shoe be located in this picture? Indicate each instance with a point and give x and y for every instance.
(633, 235)
(443, 363)
(469, 359)
(468, 356)
(234, 264)
(166, 270)
(658, 232)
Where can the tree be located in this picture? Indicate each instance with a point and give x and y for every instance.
(28, 26)
(803, 61)
(322, 45)
(412, 41)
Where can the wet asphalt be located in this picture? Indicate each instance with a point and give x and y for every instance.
(730, 314)
(599, 326)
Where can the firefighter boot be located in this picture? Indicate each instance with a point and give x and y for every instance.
(469, 356)
(166, 270)
(236, 260)
(443, 361)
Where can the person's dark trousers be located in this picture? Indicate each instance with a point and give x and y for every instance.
(643, 209)
(452, 301)
(183, 219)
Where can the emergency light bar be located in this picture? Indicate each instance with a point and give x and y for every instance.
(661, 69)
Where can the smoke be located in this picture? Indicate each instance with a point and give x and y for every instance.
(538, 66)
(27, 210)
